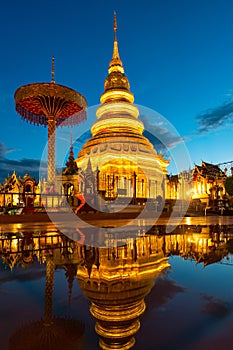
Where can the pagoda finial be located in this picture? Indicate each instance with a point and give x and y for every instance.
(52, 80)
(115, 26)
(115, 55)
(116, 79)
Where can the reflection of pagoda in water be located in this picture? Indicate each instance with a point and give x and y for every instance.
(127, 163)
(116, 280)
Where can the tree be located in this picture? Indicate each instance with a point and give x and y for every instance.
(229, 185)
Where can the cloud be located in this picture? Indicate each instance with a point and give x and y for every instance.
(21, 167)
(214, 118)
(160, 133)
(215, 307)
(163, 291)
(4, 150)
(19, 274)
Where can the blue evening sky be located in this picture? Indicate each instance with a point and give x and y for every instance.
(177, 54)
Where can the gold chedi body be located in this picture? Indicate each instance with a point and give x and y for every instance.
(117, 147)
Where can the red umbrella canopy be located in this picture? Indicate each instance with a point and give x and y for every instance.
(36, 102)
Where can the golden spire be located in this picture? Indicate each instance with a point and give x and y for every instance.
(116, 85)
(115, 64)
(115, 25)
(52, 80)
(115, 54)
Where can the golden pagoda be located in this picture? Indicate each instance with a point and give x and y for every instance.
(125, 160)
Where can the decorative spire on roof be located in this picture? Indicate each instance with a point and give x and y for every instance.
(52, 71)
(71, 146)
(89, 167)
(71, 166)
(71, 272)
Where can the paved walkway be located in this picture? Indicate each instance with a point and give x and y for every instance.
(32, 222)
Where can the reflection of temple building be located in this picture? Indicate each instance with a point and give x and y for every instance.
(205, 245)
(186, 241)
(53, 249)
(126, 162)
(116, 280)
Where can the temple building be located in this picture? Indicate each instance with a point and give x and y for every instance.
(204, 186)
(18, 191)
(208, 183)
(126, 164)
(179, 186)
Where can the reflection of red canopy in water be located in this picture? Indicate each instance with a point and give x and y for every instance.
(53, 105)
(51, 333)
